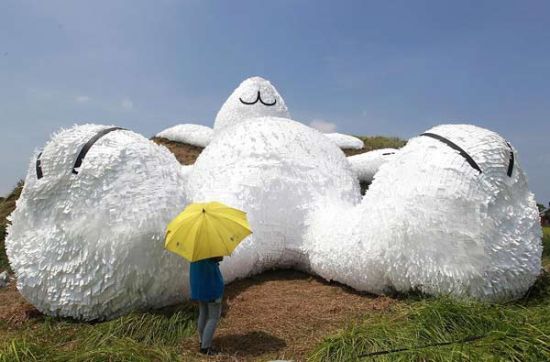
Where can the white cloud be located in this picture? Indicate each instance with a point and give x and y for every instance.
(83, 99)
(323, 126)
(127, 104)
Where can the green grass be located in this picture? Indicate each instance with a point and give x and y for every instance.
(4, 263)
(443, 329)
(149, 336)
(7, 205)
(546, 245)
(116, 350)
(378, 142)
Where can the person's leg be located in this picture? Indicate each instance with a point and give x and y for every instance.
(214, 313)
(203, 316)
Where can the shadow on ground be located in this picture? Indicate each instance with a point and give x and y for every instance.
(250, 344)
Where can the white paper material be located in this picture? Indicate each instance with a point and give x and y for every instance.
(193, 134)
(433, 223)
(278, 171)
(365, 165)
(345, 141)
(90, 245)
(255, 97)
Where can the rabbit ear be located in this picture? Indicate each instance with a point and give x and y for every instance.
(89, 145)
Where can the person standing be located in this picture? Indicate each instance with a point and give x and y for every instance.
(207, 287)
(203, 233)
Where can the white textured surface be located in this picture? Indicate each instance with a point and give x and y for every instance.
(431, 222)
(345, 141)
(365, 165)
(278, 171)
(193, 134)
(234, 111)
(90, 245)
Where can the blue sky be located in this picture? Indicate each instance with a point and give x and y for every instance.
(369, 68)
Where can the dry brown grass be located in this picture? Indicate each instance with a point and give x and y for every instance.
(284, 314)
(278, 314)
(186, 154)
(7, 205)
(371, 143)
(14, 309)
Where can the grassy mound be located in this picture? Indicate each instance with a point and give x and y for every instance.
(186, 154)
(546, 245)
(376, 143)
(7, 205)
(150, 336)
(443, 329)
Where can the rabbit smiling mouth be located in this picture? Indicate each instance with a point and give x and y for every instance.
(259, 98)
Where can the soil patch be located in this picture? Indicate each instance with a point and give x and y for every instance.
(14, 309)
(280, 314)
(283, 314)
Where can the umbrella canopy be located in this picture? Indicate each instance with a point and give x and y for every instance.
(206, 230)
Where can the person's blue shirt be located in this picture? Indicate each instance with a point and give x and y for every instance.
(206, 280)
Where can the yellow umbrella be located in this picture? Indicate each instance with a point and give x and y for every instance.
(206, 230)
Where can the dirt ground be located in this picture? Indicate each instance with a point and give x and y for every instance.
(284, 314)
(14, 309)
(281, 314)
